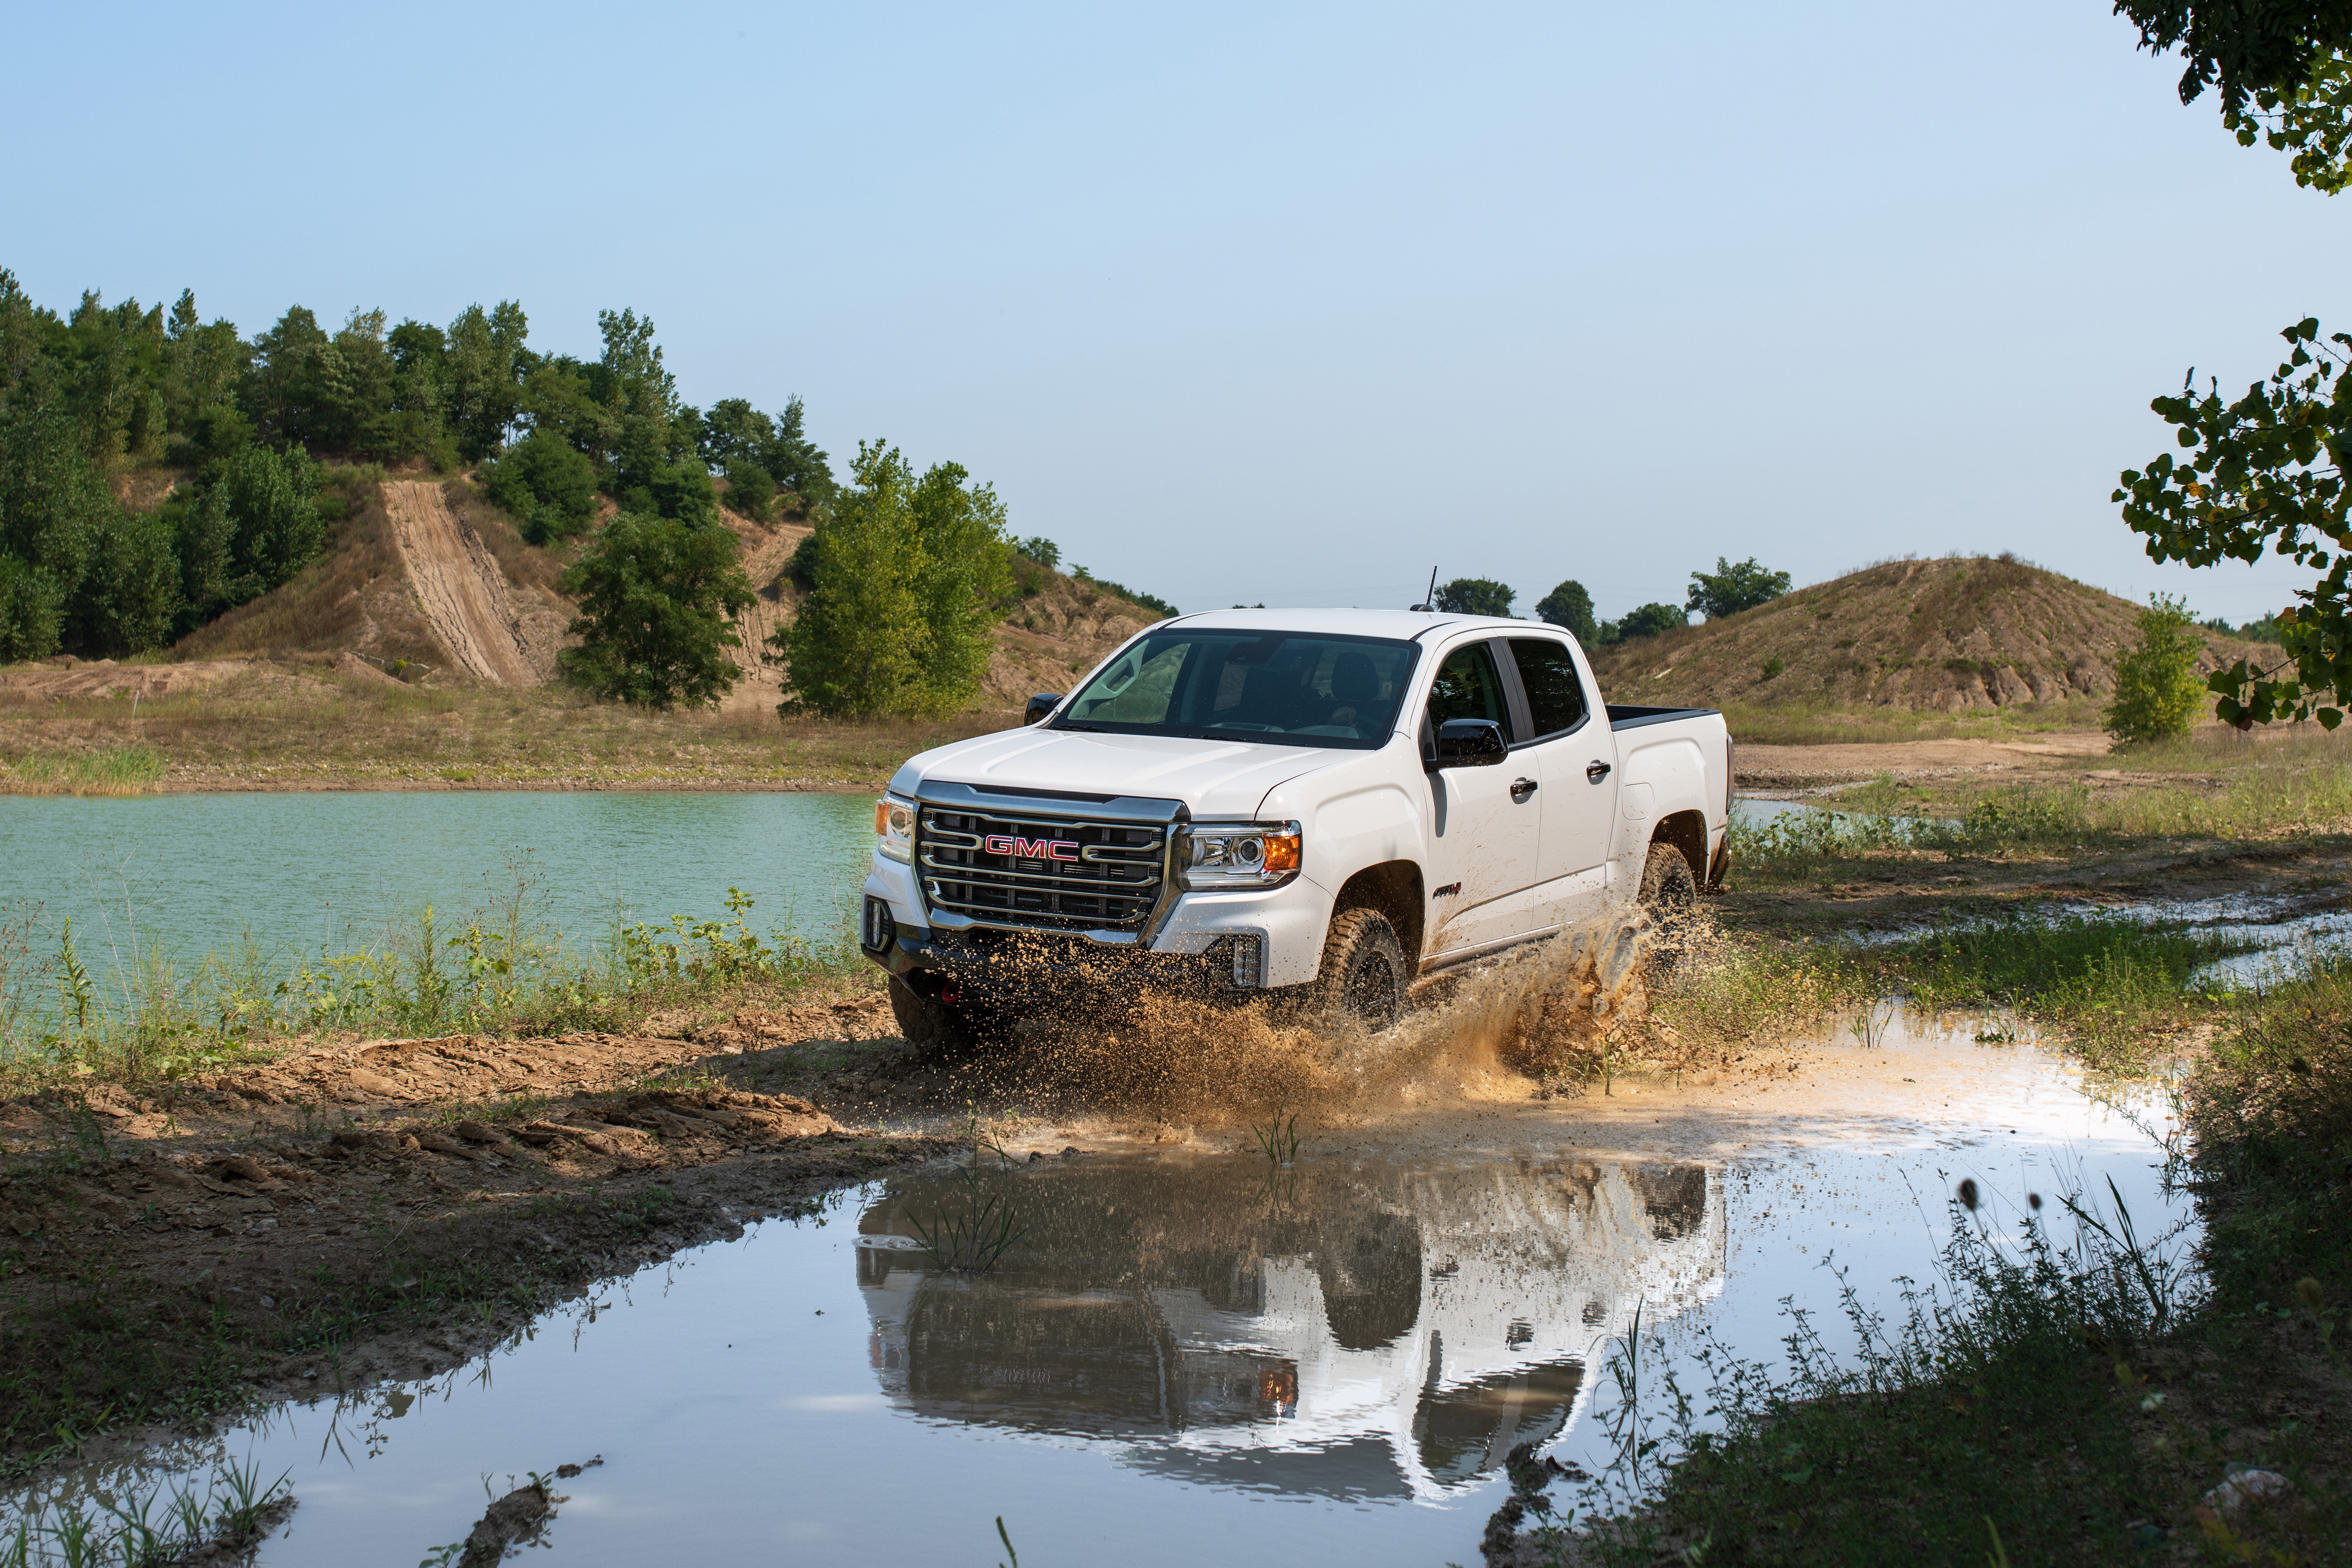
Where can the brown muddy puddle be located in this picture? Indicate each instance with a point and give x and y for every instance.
(1189, 1350)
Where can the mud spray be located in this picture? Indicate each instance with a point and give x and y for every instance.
(1539, 1016)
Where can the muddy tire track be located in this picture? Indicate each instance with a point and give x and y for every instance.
(459, 587)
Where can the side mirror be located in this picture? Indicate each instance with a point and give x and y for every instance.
(1042, 706)
(1470, 743)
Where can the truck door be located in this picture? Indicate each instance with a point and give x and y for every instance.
(1484, 832)
(1572, 753)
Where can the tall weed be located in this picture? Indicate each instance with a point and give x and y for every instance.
(486, 971)
(1989, 1396)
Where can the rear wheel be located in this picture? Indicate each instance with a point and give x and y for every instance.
(1669, 895)
(936, 1027)
(1364, 974)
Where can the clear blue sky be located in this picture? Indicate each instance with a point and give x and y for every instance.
(1273, 302)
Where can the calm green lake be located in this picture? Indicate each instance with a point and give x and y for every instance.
(296, 873)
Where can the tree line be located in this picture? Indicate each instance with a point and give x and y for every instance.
(88, 396)
(1727, 590)
(903, 574)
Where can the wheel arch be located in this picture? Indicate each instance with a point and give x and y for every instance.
(1394, 887)
(1686, 831)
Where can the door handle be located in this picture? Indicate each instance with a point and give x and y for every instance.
(1521, 788)
(1595, 771)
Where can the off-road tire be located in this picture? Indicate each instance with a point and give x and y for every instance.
(941, 1029)
(1668, 898)
(1364, 973)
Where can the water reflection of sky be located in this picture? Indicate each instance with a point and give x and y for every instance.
(1327, 1362)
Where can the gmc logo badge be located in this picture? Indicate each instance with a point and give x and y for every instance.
(1032, 848)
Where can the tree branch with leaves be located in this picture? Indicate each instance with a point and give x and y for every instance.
(2265, 474)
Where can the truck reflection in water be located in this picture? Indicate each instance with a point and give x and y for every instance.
(1337, 1331)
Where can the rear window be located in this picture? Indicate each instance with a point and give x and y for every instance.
(1287, 689)
(1548, 675)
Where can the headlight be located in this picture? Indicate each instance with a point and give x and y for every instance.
(894, 822)
(1244, 855)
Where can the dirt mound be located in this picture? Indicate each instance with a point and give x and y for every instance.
(354, 598)
(458, 585)
(421, 573)
(1940, 636)
(1063, 630)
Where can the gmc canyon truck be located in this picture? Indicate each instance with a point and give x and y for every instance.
(1332, 806)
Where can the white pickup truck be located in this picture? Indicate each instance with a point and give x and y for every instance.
(1334, 805)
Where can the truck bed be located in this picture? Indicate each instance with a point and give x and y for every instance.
(1622, 716)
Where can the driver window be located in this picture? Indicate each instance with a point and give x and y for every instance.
(1467, 686)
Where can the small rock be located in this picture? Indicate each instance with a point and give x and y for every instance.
(479, 1133)
(442, 1143)
(241, 1168)
(1036, 1158)
(2245, 1484)
(1071, 1153)
(374, 1083)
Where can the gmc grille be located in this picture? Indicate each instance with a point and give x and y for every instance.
(1040, 871)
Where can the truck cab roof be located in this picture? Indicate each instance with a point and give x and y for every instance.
(1402, 625)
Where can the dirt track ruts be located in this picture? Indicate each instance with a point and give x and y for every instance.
(458, 585)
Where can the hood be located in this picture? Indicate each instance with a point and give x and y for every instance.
(1216, 778)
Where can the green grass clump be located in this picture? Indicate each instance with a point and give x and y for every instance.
(2115, 985)
(1731, 993)
(111, 770)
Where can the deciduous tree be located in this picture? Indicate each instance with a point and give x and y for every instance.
(1570, 606)
(658, 600)
(859, 643)
(1475, 596)
(1729, 589)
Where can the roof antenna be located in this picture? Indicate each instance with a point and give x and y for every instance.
(1429, 607)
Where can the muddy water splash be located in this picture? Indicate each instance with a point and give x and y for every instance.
(1530, 1013)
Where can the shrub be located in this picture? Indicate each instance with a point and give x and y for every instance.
(2157, 693)
(750, 490)
(547, 486)
(1774, 666)
(1649, 620)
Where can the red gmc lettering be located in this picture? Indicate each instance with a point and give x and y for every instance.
(1031, 848)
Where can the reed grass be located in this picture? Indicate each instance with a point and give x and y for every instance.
(2258, 803)
(503, 969)
(108, 771)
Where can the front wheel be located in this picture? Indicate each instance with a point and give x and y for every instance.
(940, 1028)
(1363, 974)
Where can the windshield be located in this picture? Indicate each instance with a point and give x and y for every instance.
(1284, 688)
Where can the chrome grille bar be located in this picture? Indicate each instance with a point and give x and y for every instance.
(1025, 869)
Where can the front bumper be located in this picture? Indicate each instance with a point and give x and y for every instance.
(1278, 936)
